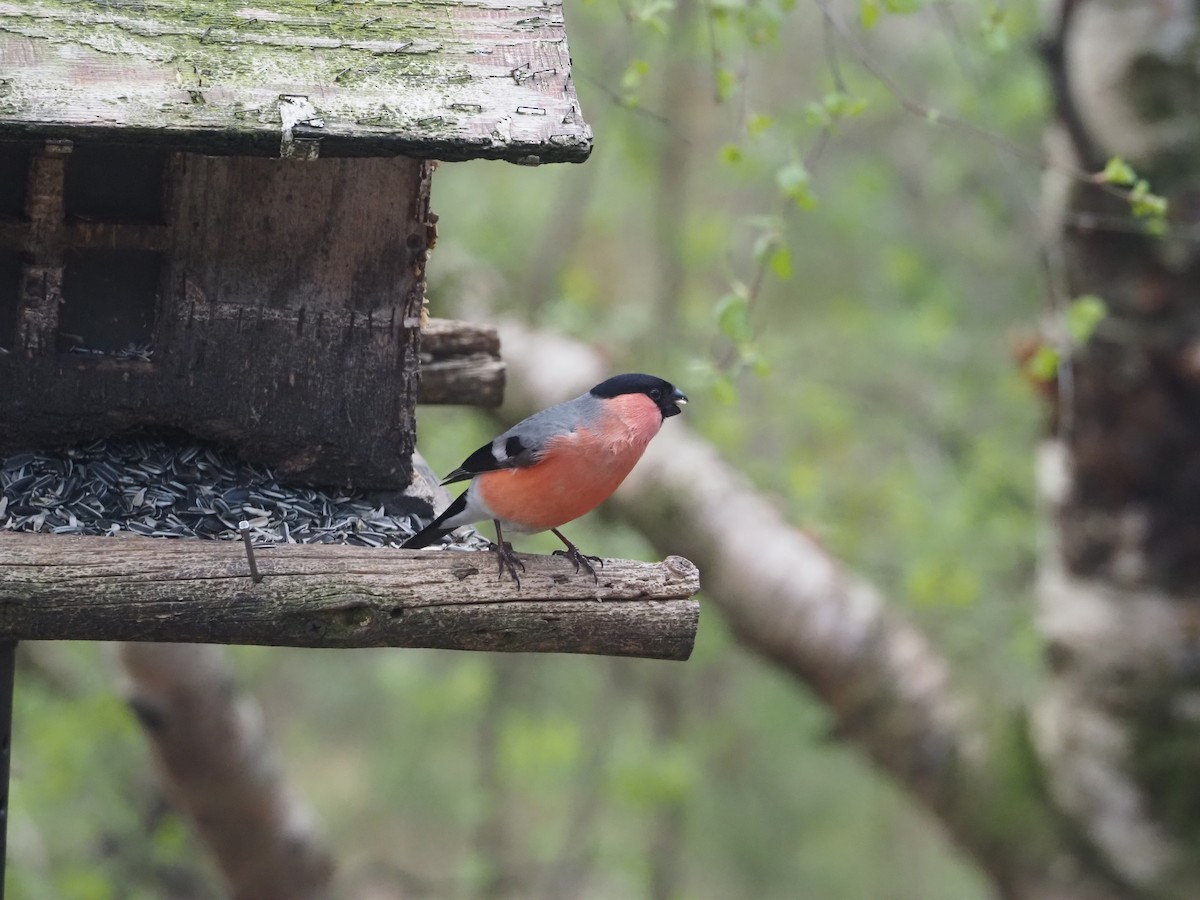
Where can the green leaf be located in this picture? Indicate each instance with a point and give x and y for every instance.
(833, 106)
(995, 31)
(781, 263)
(853, 106)
(758, 124)
(727, 83)
(733, 317)
(793, 182)
(902, 7)
(868, 13)
(1083, 315)
(723, 10)
(817, 115)
(731, 154)
(653, 14)
(1043, 365)
(724, 391)
(634, 73)
(1119, 172)
(1156, 227)
(1147, 205)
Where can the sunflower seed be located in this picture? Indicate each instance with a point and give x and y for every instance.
(154, 487)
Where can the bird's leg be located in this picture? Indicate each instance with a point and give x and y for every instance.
(506, 556)
(581, 560)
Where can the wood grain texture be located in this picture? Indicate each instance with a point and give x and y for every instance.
(460, 364)
(145, 589)
(474, 380)
(442, 338)
(438, 79)
(286, 324)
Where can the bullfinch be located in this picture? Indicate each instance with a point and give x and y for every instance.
(557, 465)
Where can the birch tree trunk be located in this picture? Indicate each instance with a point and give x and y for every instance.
(1118, 727)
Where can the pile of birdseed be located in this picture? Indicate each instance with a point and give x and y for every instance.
(159, 488)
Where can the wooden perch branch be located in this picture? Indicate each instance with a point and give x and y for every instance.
(460, 364)
(146, 589)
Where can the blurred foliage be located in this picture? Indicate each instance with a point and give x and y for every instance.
(789, 219)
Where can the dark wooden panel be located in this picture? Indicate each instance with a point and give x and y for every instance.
(287, 323)
(329, 234)
(10, 286)
(331, 406)
(116, 183)
(14, 177)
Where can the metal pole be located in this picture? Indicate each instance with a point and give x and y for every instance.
(8, 654)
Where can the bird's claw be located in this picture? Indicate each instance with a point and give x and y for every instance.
(508, 562)
(581, 561)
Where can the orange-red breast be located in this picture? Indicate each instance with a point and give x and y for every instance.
(557, 465)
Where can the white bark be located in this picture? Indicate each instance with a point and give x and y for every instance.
(1121, 641)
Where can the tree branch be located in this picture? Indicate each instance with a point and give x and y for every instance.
(219, 769)
(147, 589)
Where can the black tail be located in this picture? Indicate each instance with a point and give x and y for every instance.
(434, 532)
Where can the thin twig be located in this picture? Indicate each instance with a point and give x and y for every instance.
(714, 53)
(619, 102)
(936, 116)
(831, 55)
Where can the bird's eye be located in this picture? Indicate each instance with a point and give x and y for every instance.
(655, 394)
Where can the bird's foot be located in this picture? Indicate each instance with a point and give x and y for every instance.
(508, 562)
(581, 560)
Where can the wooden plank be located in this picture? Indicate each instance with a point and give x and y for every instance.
(146, 589)
(460, 364)
(40, 294)
(440, 78)
(241, 380)
(473, 380)
(331, 235)
(447, 338)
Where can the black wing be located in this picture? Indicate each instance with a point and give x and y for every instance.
(515, 454)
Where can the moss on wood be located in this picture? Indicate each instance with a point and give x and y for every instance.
(438, 79)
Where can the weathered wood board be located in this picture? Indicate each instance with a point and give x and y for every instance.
(460, 364)
(436, 78)
(282, 305)
(148, 589)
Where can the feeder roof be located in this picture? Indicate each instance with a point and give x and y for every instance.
(442, 79)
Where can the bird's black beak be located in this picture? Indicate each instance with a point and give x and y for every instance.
(677, 399)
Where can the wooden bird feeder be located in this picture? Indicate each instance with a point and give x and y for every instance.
(214, 219)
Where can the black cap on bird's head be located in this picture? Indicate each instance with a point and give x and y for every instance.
(668, 397)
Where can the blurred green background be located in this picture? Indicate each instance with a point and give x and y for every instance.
(834, 279)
